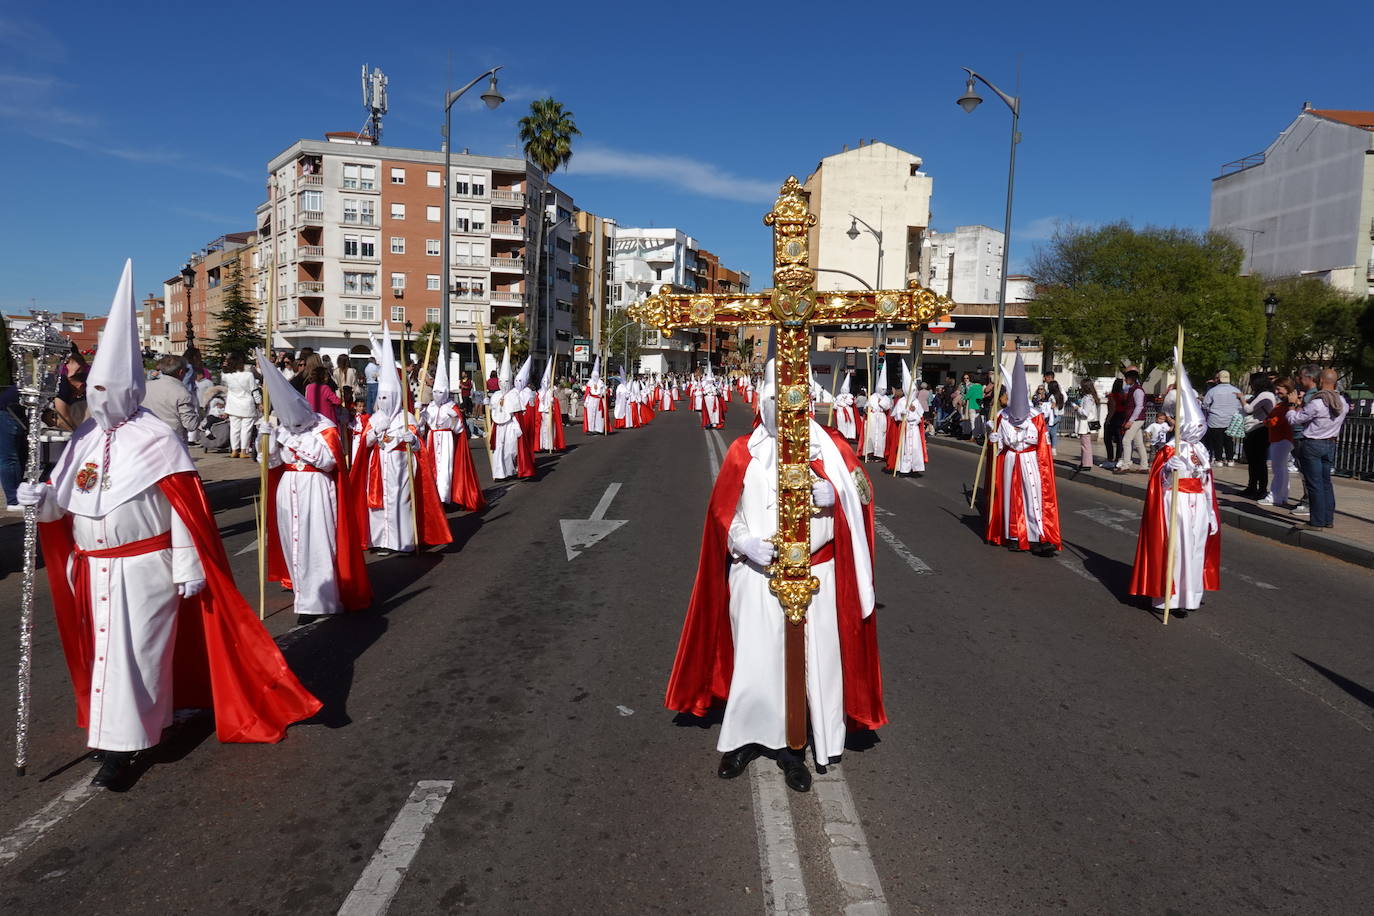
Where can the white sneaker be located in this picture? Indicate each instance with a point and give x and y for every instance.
(13, 508)
(1265, 501)
(1301, 509)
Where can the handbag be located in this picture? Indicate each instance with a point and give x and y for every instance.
(1236, 428)
(1094, 425)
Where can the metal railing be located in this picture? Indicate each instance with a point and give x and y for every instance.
(468, 260)
(1355, 448)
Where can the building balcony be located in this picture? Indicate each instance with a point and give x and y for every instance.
(310, 253)
(310, 218)
(472, 193)
(508, 199)
(502, 297)
(467, 260)
(468, 296)
(310, 288)
(310, 181)
(508, 231)
(508, 265)
(309, 321)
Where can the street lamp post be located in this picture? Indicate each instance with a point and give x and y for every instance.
(1271, 305)
(188, 281)
(493, 98)
(969, 101)
(853, 234)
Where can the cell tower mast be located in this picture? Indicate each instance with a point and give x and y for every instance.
(374, 100)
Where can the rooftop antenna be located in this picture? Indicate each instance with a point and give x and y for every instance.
(374, 100)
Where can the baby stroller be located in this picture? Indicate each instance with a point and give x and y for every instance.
(950, 426)
(214, 429)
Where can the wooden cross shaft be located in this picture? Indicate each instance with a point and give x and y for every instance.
(793, 308)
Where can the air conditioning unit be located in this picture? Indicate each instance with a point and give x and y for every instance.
(398, 291)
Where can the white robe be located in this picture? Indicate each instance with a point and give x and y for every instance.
(546, 420)
(844, 416)
(695, 388)
(307, 513)
(443, 418)
(594, 407)
(755, 712)
(392, 526)
(875, 426)
(710, 401)
(505, 449)
(1019, 444)
(910, 457)
(1196, 521)
(134, 606)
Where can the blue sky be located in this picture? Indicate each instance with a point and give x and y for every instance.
(143, 129)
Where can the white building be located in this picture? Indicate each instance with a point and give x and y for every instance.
(873, 190)
(1305, 206)
(966, 264)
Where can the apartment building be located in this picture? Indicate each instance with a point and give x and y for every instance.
(966, 264)
(194, 319)
(152, 325)
(1305, 205)
(644, 260)
(358, 232)
(591, 278)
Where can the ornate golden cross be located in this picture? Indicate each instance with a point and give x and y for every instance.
(793, 308)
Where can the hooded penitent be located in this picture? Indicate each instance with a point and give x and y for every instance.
(503, 375)
(114, 386)
(1018, 400)
(441, 393)
(768, 398)
(844, 386)
(546, 382)
(596, 372)
(522, 378)
(389, 401)
(1190, 425)
(292, 410)
(906, 380)
(882, 380)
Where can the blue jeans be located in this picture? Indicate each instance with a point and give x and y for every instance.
(371, 395)
(1315, 459)
(11, 456)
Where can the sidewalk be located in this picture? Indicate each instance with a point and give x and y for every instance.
(1351, 540)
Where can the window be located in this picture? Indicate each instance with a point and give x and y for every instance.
(398, 176)
(432, 316)
(986, 294)
(350, 209)
(989, 247)
(461, 185)
(563, 244)
(462, 221)
(479, 186)
(359, 311)
(563, 275)
(398, 313)
(432, 214)
(617, 293)
(350, 246)
(398, 281)
(398, 211)
(431, 281)
(359, 283)
(398, 244)
(367, 246)
(932, 342)
(965, 343)
(432, 247)
(432, 179)
(360, 177)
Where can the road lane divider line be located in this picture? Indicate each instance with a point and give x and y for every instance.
(844, 832)
(1075, 565)
(779, 862)
(31, 830)
(918, 566)
(1115, 519)
(711, 456)
(382, 877)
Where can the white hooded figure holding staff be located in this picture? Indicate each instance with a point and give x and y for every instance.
(875, 419)
(846, 420)
(504, 410)
(594, 414)
(712, 406)
(446, 444)
(908, 418)
(550, 419)
(1023, 508)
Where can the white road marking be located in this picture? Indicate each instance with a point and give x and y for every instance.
(849, 854)
(1249, 579)
(49, 816)
(625, 710)
(581, 533)
(605, 502)
(711, 454)
(252, 546)
(918, 566)
(1074, 565)
(380, 881)
(1114, 519)
(784, 892)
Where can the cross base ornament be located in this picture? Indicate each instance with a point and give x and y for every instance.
(793, 308)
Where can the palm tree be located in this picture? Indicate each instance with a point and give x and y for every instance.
(547, 133)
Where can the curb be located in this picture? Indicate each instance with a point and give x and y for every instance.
(1271, 528)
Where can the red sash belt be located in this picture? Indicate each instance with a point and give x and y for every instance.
(1190, 484)
(824, 555)
(302, 466)
(81, 574)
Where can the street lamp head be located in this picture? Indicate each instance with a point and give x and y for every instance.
(492, 96)
(188, 275)
(853, 232)
(970, 99)
(1271, 305)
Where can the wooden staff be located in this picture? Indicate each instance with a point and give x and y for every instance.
(988, 444)
(834, 386)
(412, 459)
(1173, 501)
(482, 358)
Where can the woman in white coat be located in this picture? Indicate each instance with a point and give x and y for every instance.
(1089, 417)
(240, 383)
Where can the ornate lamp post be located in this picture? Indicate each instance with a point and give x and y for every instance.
(37, 350)
(188, 281)
(1271, 305)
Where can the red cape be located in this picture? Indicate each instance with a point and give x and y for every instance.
(365, 491)
(465, 490)
(355, 590)
(559, 443)
(1045, 459)
(1149, 574)
(223, 657)
(600, 408)
(705, 658)
(646, 414)
(524, 450)
(894, 432)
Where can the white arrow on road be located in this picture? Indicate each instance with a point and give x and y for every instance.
(581, 533)
(252, 545)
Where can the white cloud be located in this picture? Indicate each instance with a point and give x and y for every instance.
(680, 172)
(28, 39)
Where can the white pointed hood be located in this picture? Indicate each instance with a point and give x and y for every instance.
(1190, 426)
(115, 383)
(768, 397)
(522, 378)
(906, 379)
(441, 391)
(596, 371)
(1018, 396)
(844, 386)
(881, 387)
(292, 410)
(503, 375)
(389, 401)
(546, 382)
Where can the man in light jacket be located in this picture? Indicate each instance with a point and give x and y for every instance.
(168, 399)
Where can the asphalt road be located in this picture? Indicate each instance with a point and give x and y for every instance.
(1052, 746)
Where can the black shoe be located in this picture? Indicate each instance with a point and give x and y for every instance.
(733, 763)
(304, 620)
(114, 769)
(795, 774)
(1179, 613)
(1042, 549)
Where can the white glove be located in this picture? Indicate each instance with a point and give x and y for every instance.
(823, 493)
(31, 494)
(285, 438)
(408, 438)
(1175, 463)
(190, 589)
(758, 550)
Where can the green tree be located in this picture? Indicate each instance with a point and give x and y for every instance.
(511, 327)
(1316, 323)
(547, 133)
(613, 346)
(421, 342)
(1115, 293)
(236, 319)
